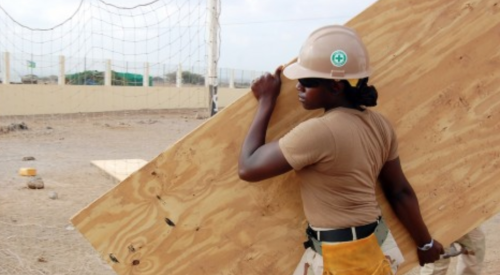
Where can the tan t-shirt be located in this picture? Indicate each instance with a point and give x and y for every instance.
(338, 158)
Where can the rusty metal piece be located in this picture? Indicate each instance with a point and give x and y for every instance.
(453, 251)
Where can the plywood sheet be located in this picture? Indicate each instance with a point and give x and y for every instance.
(437, 69)
(119, 169)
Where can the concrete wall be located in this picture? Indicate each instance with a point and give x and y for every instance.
(66, 99)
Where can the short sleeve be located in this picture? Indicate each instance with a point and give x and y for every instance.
(393, 144)
(307, 144)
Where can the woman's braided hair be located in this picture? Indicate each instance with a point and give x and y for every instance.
(362, 95)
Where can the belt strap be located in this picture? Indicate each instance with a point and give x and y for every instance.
(381, 231)
(343, 235)
(314, 244)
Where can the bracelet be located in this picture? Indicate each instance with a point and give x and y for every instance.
(426, 247)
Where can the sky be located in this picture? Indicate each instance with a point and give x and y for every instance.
(263, 34)
(254, 34)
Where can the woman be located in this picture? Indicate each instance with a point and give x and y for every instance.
(338, 158)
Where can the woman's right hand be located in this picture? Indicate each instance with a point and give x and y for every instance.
(267, 86)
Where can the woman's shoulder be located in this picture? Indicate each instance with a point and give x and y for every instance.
(311, 124)
(378, 115)
(383, 123)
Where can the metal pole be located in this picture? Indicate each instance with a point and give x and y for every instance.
(213, 53)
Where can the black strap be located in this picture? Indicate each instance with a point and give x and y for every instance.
(308, 243)
(342, 235)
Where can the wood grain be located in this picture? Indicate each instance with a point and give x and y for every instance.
(437, 69)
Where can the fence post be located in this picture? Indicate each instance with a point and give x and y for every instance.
(107, 73)
(231, 79)
(6, 72)
(145, 79)
(178, 78)
(62, 74)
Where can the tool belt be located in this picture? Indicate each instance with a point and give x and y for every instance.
(346, 234)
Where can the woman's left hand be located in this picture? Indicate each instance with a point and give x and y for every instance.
(267, 86)
(431, 255)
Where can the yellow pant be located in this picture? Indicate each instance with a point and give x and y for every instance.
(360, 257)
(355, 258)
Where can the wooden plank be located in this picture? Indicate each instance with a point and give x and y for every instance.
(437, 69)
(119, 169)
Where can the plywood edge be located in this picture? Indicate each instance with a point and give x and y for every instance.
(119, 169)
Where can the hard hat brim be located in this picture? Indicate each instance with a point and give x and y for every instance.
(296, 71)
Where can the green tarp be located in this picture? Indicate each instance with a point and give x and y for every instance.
(97, 78)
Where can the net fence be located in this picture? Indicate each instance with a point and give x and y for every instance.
(109, 83)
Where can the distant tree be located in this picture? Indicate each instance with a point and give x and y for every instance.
(171, 77)
(158, 79)
(192, 78)
(187, 78)
(29, 79)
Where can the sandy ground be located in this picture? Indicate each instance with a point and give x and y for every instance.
(36, 236)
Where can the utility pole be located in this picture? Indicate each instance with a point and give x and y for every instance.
(213, 53)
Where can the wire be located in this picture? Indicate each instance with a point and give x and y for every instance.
(129, 8)
(280, 21)
(43, 29)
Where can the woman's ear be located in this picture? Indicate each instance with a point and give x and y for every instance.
(336, 86)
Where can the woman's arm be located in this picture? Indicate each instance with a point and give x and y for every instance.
(404, 202)
(258, 160)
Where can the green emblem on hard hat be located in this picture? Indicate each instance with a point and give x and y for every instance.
(338, 58)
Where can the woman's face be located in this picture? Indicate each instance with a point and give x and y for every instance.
(315, 93)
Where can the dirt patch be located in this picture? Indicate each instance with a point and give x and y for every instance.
(36, 236)
(13, 127)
